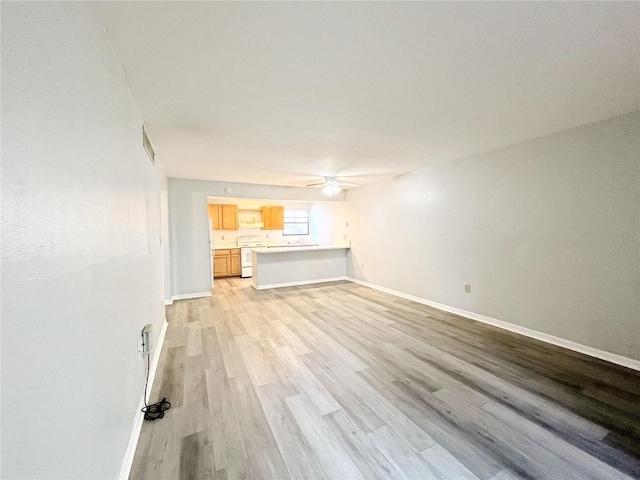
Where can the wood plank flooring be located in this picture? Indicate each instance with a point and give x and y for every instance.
(341, 381)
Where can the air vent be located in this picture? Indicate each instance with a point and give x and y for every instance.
(146, 143)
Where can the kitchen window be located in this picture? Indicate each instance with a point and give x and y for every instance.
(296, 222)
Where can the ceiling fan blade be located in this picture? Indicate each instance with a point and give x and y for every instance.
(316, 184)
(344, 184)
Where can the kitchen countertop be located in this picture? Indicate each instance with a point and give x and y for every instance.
(226, 247)
(229, 246)
(297, 248)
(282, 247)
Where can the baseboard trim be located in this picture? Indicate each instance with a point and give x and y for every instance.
(168, 302)
(187, 296)
(527, 332)
(295, 284)
(127, 463)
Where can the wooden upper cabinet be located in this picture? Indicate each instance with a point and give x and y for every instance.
(223, 217)
(267, 218)
(278, 218)
(229, 217)
(215, 216)
(273, 218)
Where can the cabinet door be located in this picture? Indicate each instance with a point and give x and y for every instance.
(229, 217)
(267, 218)
(273, 218)
(221, 264)
(236, 264)
(215, 214)
(278, 218)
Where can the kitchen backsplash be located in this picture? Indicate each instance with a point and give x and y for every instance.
(223, 237)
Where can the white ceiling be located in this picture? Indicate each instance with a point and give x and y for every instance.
(285, 92)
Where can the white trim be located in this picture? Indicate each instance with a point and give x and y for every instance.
(127, 462)
(527, 332)
(295, 284)
(186, 296)
(168, 302)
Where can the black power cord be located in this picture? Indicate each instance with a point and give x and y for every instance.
(155, 410)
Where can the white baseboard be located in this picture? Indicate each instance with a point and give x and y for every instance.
(127, 462)
(560, 342)
(295, 284)
(187, 296)
(168, 302)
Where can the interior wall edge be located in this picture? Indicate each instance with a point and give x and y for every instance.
(543, 234)
(189, 229)
(129, 453)
(81, 246)
(187, 296)
(527, 332)
(296, 284)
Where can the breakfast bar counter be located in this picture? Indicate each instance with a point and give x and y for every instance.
(286, 266)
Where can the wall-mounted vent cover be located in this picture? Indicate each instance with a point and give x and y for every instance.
(146, 143)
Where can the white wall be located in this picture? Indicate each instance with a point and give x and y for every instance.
(329, 223)
(81, 261)
(164, 235)
(297, 266)
(526, 226)
(189, 227)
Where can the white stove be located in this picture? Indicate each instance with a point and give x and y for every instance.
(246, 244)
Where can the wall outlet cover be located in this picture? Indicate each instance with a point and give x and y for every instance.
(146, 339)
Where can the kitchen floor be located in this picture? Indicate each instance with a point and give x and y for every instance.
(341, 381)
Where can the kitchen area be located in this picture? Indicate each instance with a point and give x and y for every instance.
(277, 243)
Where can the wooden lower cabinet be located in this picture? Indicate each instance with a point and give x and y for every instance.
(227, 263)
(236, 264)
(221, 264)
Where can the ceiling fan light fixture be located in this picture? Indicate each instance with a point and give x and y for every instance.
(331, 189)
(331, 185)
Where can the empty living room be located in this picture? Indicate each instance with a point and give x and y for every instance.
(308, 240)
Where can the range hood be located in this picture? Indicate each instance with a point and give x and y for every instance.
(250, 224)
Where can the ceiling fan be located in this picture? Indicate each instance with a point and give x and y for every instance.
(331, 185)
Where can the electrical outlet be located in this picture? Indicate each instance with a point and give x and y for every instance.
(344, 237)
(222, 237)
(467, 288)
(362, 266)
(145, 341)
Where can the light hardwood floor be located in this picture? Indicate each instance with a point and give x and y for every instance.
(341, 381)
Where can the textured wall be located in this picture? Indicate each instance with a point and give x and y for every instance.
(547, 233)
(81, 260)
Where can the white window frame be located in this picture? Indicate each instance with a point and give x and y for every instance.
(296, 220)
